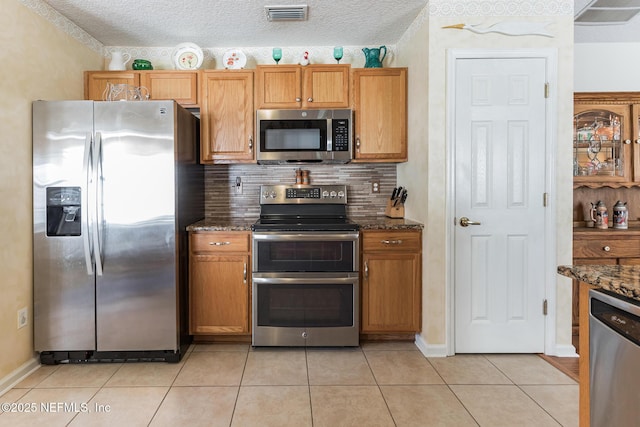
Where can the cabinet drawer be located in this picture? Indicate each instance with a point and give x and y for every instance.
(391, 240)
(606, 248)
(220, 242)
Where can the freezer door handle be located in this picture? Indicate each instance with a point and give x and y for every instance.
(85, 203)
(97, 171)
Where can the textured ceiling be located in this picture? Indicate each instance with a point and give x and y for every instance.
(228, 23)
(242, 23)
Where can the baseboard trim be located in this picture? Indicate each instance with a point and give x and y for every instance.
(18, 375)
(430, 350)
(564, 350)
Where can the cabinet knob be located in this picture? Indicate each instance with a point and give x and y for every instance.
(250, 142)
(309, 99)
(298, 99)
(244, 274)
(366, 270)
(606, 249)
(358, 143)
(637, 141)
(627, 141)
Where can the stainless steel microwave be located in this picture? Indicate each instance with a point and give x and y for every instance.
(297, 136)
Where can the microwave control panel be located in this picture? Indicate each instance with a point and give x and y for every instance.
(340, 135)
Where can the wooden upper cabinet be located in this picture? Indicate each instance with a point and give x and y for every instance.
(227, 116)
(380, 110)
(95, 82)
(179, 85)
(294, 86)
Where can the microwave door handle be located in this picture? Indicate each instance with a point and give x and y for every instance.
(97, 188)
(84, 218)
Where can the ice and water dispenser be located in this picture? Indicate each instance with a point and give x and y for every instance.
(63, 211)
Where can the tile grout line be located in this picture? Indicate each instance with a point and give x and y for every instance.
(306, 361)
(183, 361)
(378, 385)
(453, 392)
(235, 403)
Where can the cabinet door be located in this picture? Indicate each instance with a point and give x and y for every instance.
(601, 144)
(219, 294)
(326, 86)
(95, 82)
(390, 292)
(226, 117)
(278, 86)
(181, 86)
(380, 108)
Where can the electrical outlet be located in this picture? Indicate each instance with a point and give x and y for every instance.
(238, 185)
(23, 317)
(375, 186)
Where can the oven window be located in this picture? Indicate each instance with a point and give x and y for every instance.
(305, 256)
(293, 135)
(295, 305)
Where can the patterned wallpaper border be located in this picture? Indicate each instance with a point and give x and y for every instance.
(500, 8)
(64, 24)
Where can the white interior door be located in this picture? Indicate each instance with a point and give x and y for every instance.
(499, 175)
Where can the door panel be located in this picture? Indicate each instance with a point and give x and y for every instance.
(499, 184)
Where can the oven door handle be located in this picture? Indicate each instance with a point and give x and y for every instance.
(303, 281)
(311, 236)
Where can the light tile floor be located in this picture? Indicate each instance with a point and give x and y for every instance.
(378, 384)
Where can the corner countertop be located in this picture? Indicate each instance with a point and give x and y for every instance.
(621, 279)
(365, 223)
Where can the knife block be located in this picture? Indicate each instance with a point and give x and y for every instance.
(394, 211)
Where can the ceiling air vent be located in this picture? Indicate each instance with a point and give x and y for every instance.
(286, 13)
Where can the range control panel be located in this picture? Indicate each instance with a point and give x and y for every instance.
(303, 194)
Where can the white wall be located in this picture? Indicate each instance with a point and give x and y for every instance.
(606, 67)
(424, 50)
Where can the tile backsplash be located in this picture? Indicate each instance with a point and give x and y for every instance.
(223, 202)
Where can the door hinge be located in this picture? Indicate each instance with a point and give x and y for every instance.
(546, 90)
(545, 199)
(544, 307)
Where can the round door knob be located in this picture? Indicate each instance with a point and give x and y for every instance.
(606, 249)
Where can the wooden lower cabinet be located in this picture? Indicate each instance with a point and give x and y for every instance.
(220, 283)
(601, 247)
(391, 278)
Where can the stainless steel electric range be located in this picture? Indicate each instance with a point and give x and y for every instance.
(305, 268)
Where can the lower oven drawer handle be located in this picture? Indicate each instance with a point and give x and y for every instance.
(219, 243)
(391, 242)
(306, 281)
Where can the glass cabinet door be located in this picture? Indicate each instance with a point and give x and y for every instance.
(601, 150)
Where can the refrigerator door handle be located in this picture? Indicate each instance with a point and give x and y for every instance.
(88, 252)
(97, 189)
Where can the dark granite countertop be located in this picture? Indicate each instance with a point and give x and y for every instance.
(366, 223)
(621, 279)
(228, 224)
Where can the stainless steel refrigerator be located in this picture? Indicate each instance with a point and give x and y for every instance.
(114, 186)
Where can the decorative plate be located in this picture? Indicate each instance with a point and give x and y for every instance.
(187, 56)
(234, 59)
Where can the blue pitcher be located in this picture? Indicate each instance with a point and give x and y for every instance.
(372, 56)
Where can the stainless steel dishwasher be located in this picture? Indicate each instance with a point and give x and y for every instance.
(614, 368)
